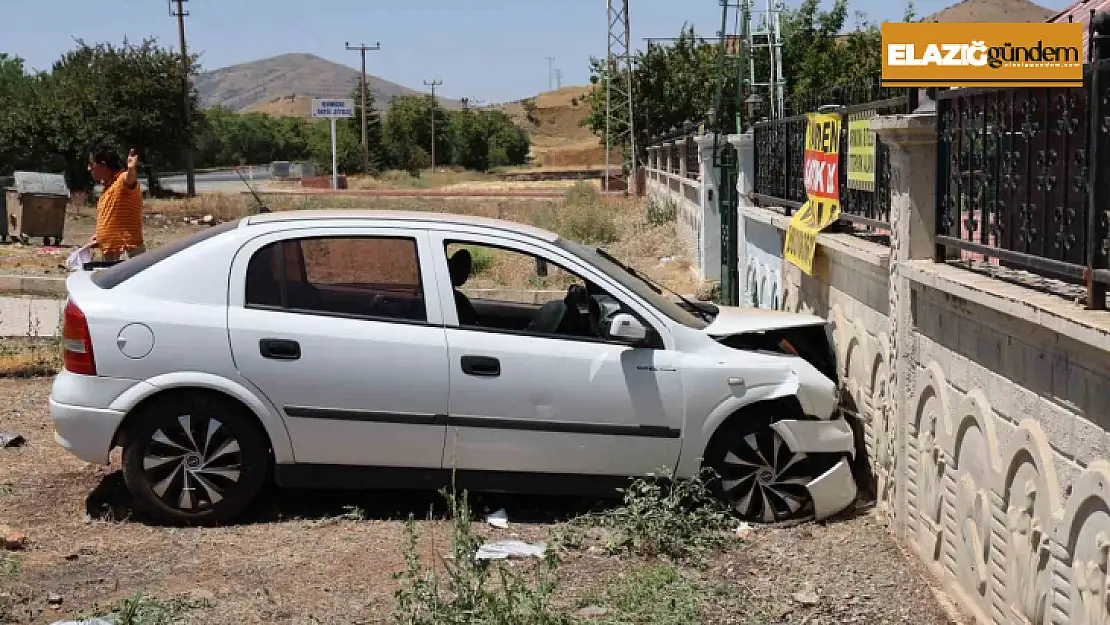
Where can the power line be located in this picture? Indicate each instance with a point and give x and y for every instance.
(190, 174)
(558, 78)
(433, 84)
(363, 49)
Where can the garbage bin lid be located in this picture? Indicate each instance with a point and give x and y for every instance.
(36, 182)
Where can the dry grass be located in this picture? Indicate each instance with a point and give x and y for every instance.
(442, 178)
(619, 224)
(22, 357)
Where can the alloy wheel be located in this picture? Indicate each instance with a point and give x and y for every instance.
(193, 462)
(763, 479)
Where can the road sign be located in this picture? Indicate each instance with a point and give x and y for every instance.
(333, 108)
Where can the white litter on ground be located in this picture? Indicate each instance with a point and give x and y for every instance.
(503, 549)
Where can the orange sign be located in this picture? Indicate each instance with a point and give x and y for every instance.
(982, 55)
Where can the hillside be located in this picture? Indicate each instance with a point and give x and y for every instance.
(263, 85)
(558, 137)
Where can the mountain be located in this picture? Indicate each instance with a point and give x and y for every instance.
(991, 11)
(285, 85)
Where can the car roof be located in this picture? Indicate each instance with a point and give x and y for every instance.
(443, 220)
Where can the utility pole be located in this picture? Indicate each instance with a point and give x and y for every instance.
(190, 174)
(433, 84)
(558, 78)
(550, 65)
(620, 127)
(363, 49)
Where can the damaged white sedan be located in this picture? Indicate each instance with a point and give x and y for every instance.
(372, 349)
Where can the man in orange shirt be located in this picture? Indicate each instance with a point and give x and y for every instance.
(119, 212)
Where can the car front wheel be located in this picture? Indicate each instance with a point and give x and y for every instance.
(759, 476)
(196, 459)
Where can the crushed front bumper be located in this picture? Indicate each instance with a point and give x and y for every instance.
(835, 489)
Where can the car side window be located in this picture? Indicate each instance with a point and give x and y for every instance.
(501, 289)
(357, 276)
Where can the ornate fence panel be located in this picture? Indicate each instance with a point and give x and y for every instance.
(780, 147)
(1015, 173)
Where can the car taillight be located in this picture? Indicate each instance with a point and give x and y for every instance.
(77, 349)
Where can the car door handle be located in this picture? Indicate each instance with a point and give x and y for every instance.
(483, 366)
(279, 349)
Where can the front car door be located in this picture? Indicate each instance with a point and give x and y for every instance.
(340, 328)
(540, 401)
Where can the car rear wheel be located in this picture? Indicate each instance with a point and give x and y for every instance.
(194, 459)
(759, 476)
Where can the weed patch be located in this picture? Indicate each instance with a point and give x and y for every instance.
(29, 357)
(143, 609)
(661, 212)
(10, 567)
(661, 517)
(655, 593)
(472, 591)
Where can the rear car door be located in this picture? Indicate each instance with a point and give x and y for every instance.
(341, 329)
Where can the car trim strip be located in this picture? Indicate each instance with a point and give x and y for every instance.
(565, 427)
(525, 425)
(366, 416)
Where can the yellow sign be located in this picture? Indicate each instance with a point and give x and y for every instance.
(822, 183)
(929, 54)
(861, 151)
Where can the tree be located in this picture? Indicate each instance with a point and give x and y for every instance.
(672, 85)
(374, 145)
(128, 95)
(676, 84)
(407, 132)
(22, 146)
(484, 139)
(507, 143)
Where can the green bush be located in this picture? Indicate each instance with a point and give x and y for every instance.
(481, 259)
(661, 212)
(582, 194)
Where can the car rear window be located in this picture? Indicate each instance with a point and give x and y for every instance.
(118, 274)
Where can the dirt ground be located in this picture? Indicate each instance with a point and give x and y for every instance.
(38, 260)
(310, 557)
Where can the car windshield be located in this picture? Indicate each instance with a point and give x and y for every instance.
(632, 282)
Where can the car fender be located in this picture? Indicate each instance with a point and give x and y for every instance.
(268, 416)
(696, 439)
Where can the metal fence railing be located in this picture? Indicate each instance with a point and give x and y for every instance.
(780, 152)
(1017, 184)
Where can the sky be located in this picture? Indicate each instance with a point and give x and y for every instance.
(487, 50)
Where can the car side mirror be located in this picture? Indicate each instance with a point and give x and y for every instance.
(626, 329)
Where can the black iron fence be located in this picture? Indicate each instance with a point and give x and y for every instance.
(780, 152)
(1016, 179)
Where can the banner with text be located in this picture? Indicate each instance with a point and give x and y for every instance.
(822, 183)
(861, 151)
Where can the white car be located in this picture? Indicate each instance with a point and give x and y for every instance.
(338, 350)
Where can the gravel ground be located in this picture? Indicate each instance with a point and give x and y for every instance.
(312, 558)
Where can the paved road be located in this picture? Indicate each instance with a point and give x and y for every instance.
(30, 316)
(212, 181)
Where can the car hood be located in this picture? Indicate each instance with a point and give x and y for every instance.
(733, 320)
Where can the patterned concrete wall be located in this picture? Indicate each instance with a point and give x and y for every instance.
(996, 468)
(760, 248)
(1005, 466)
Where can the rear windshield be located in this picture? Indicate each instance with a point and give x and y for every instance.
(118, 274)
